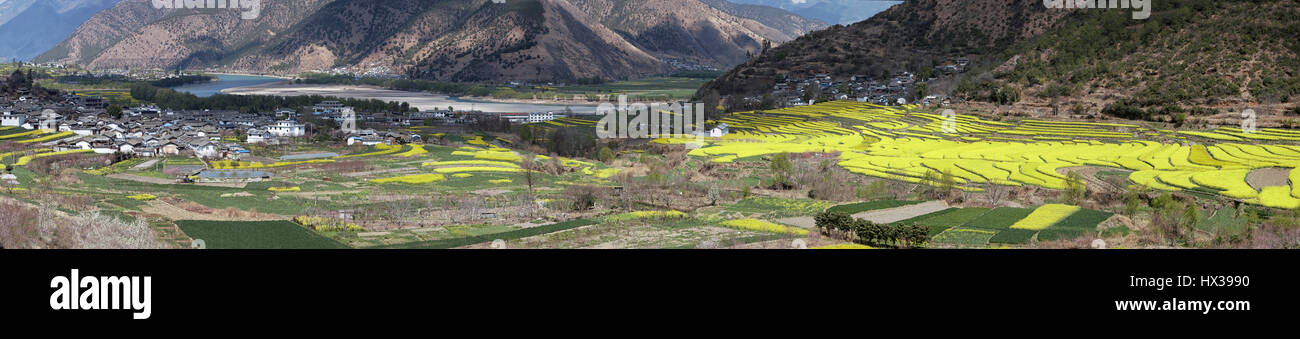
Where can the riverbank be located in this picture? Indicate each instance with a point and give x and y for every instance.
(420, 100)
(249, 75)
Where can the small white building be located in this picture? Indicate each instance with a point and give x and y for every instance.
(719, 130)
(540, 116)
(369, 140)
(207, 150)
(287, 128)
(11, 119)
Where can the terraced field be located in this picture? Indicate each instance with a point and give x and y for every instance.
(978, 227)
(901, 143)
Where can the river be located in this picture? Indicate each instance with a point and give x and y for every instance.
(225, 81)
(421, 100)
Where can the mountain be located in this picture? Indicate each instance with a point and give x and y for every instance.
(452, 40)
(28, 28)
(842, 12)
(10, 8)
(910, 36)
(1199, 55)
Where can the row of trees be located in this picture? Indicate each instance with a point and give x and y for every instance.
(575, 141)
(842, 225)
(167, 98)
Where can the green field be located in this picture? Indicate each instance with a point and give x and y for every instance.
(949, 218)
(870, 206)
(1013, 236)
(965, 236)
(478, 239)
(255, 235)
(999, 218)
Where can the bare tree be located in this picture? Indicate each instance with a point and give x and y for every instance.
(529, 165)
(996, 193)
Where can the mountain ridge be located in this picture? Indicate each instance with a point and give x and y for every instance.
(910, 36)
(471, 41)
(34, 27)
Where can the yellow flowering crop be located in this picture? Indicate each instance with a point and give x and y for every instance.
(22, 134)
(844, 247)
(416, 150)
(471, 162)
(1045, 216)
(477, 169)
(55, 136)
(644, 215)
(412, 179)
(142, 197)
(762, 226)
(27, 159)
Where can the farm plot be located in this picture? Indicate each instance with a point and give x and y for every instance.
(890, 215)
(778, 206)
(509, 235)
(870, 206)
(946, 219)
(255, 235)
(903, 144)
(1000, 218)
(965, 236)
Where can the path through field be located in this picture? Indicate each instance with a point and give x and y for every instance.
(896, 214)
(801, 222)
(173, 212)
(144, 179)
(146, 164)
(1090, 179)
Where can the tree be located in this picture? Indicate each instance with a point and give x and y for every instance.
(831, 222)
(1132, 201)
(529, 165)
(1075, 189)
(528, 134)
(919, 91)
(782, 170)
(1191, 216)
(114, 111)
(606, 155)
(713, 195)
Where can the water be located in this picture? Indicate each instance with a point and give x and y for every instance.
(308, 156)
(225, 81)
(421, 100)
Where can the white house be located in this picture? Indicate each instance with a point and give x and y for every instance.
(256, 136)
(207, 150)
(10, 119)
(49, 120)
(367, 140)
(540, 116)
(719, 130)
(287, 128)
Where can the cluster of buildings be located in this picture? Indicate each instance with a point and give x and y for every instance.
(894, 90)
(149, 131)
(448, 117)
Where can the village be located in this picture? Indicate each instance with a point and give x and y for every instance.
(147, 131)
(895, 90)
